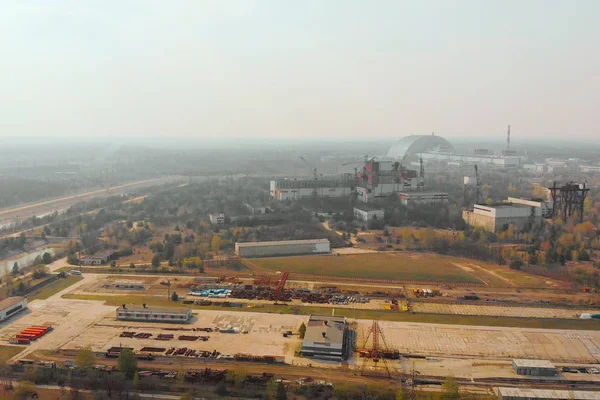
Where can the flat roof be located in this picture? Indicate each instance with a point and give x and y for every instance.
(503, 205)
(548, 394)
(281, 242)
(333, 328)
(423, 193)
(158, 309)
(101, 254)
(520, 362)
(10, 301)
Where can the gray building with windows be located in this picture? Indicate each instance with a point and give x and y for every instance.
(153, 313)
(534, 367)
(326, 338)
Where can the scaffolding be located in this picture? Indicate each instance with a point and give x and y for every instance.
(568, 199)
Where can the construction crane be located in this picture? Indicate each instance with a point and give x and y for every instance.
(375, 354)
(314, 169)
(278, 294)
(477, 185)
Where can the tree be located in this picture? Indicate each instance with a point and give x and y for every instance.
(47, 258)
(215, 243)
(516, 264)
(127, 363)
(221, 389)
(450, 389)
(132, 266)
(174, 296)
(136, 379)
(113, 264)
(281, 393)
(302, 330)
(15, 269)
(85, 358)
(72, 259)
(156, 261)
(25, 390)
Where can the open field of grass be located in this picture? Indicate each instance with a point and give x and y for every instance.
(55, 287)
(474, 320)
(8, 352)
(397, 266)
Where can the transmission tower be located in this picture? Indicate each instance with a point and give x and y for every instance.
(375, 354)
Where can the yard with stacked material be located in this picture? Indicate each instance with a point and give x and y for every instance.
(396, 266)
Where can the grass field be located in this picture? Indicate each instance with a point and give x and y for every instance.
(398, 266)
(8, 352)
(55, 287)
(474, 320)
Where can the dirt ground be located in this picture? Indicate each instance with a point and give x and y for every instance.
(499, 311)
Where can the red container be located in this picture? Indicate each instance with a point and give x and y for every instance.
(34, 330)
(26, 335)
(29, 332)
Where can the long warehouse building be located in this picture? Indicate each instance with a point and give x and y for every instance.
(282, 248)
(153, 313)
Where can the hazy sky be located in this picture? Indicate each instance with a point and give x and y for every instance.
(285, 68)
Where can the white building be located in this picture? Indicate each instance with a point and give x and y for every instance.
(12, 306)
(325, 338)
(255, 208)
(154, 313)
(282, 248)
(367, 215)
(423, 197)
(498, 217)
(294, 189)
(217, 218)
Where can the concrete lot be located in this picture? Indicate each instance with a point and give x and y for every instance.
(490, 342)
(265, 335)
(499, 311)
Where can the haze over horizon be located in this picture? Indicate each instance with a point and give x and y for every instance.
(271, 69)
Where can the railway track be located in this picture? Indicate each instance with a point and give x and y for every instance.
(334, 375)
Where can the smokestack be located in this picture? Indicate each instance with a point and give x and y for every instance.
(508, 139)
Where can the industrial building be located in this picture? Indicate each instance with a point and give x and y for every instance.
(99, 258)
(436, 148)
(217, 218)
(326, 338)
(499, 216)
(255, 208)
(422, 197)
(534, 367)
(282, 248)
(153, 313)
(294, 189)
(380, 179)
(12, 306)
(366, 214)
(505, 393)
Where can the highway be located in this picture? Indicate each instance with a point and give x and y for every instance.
(13, 215)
